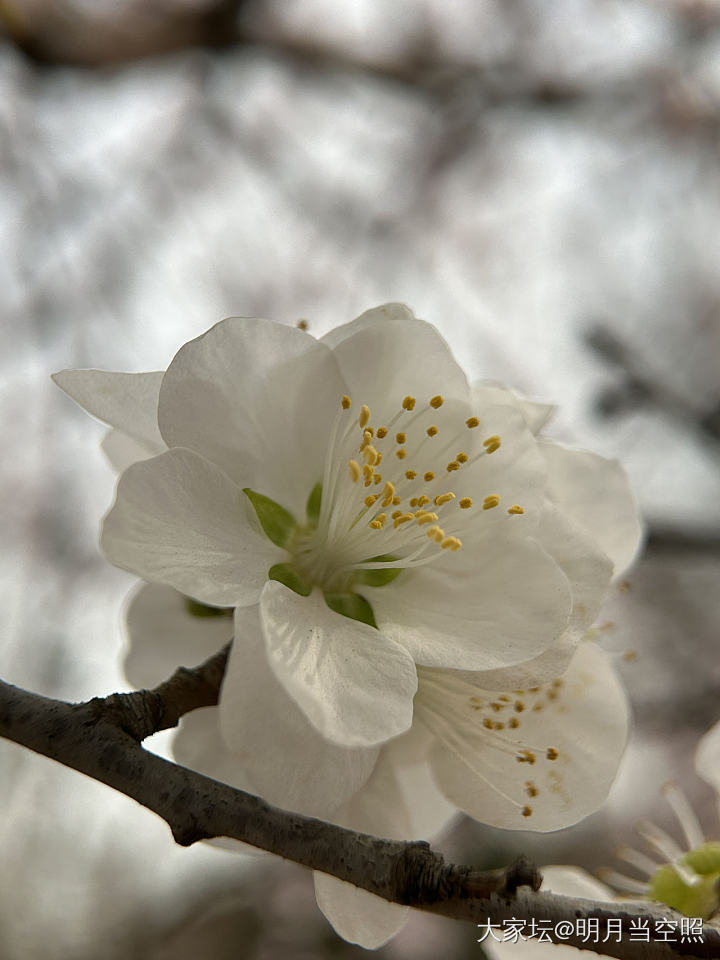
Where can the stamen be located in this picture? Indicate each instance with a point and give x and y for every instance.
(429, 476)
(425, 517)
(437, 401)
(369, 501)
(382, 432)
(621, 882)
(660, 841)
(432, 431)
(472, 423)
(401, 454)
(436, 533)
(403, 518)
(453, 465)
(516, 509)
(492, 444)
(466, 503)
(388, 493)
(423, 500)
(638, 860)
(364, 418)
(355, 471)
(346, 402)
(462, 457)
(451, 543)
(401, 437)
(551, 753)
(527, 811)
(410, 474)
(409, 403)
(491, 501)
(444, 498)
(685, 815)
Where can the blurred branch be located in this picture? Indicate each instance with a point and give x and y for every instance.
(102, 738)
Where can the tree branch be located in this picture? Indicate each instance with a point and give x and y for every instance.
(102, 738)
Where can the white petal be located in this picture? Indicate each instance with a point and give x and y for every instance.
(354, 684)
(504, 603)
(707, 757)
(357, 915)
(583, 716)
(534, 413)
(288, 762)
(258, 399)
(401, 802)
(588, 569)
(123, 450)
(387, 354)
(199, 745)
(164, 635)
(596, 494)
(126, 401)
(545, 667)
(179, 520)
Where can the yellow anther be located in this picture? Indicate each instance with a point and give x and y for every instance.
(466, 503)
(382, 517)
(490, 440)
(432, 431)
(527, 811)
(472, 423)
(368, 482)
(368, 433)
(409, 403)
(403, 518)
(397, 500)
(516, 509)
(396, 514)
(401, 454)
(367, 470)
(530, 789)
(414, 502)
(370, 454)
(444, 498)
(453, 465)
(369, 501)
(364, 418)
(436, 533)
(552, 753)
(451, 543)
(377, 478)
(346, 402)
(376, 524)
(378, 458)
(382, 432)
(519, 706)
(514, 723)
(490, 502)
(388, 493)
(303, 325)
(425, 517)
(355, 471)
(526, 756)
(437, 401)
(423, 500)
(410, 474)
(462, 458)
(429, 476)
(487, 723)
(401, 437)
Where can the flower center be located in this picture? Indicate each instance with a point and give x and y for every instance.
(389, 497)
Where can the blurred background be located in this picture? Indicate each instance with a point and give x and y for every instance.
(540, 180)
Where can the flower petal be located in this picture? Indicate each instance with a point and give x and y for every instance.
(126, 401)
(354, 684)
(399, 801)
(258, 399)
(707, 757)
(596, 494)
(554, 756)
(387, 354)
(503, 603)
(287, 761)
(122, 450)
(179, 520)
(535, 414)
(164, 635)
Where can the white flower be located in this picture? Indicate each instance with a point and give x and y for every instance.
(372, 511)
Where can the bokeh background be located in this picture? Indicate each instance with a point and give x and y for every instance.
(540, 180)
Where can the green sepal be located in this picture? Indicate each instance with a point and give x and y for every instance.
(699, 900)
(378, 578)
(287, 574)
(205, 612)
(351, 605)
(279, 525)
(313, 505)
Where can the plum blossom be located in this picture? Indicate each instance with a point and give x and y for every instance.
(381, 513)
(409, 568)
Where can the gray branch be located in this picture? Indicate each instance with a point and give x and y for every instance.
(102, 738)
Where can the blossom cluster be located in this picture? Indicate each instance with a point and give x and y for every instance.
(410, 568)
